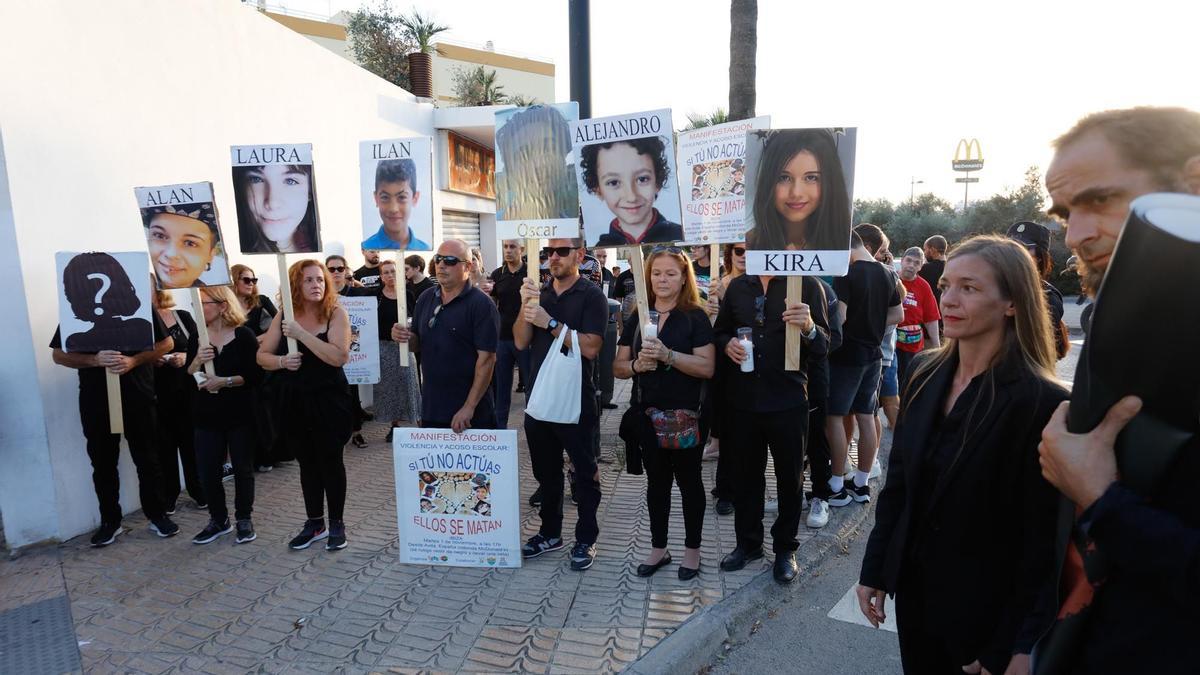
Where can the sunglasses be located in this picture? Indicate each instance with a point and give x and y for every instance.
(337, 270)
(436, 310)
(450, 260)
(562, 251)
(668, 249)
(739, 250)
(249, 280)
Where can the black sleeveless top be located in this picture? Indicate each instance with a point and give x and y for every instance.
(314, 401)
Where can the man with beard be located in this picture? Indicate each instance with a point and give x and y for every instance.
(368, 274)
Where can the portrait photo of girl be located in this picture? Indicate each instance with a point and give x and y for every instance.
(184, 238)
(276, 206)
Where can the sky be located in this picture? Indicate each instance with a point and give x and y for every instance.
(914, 77)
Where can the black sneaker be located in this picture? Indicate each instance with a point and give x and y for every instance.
(582, 556)
(538, 545)
(337, 536)
(171, 508)
(245, 531)
(164, 527)
(212, 532)
(358, 441)
(106, 534)
(724, 507)
(862, 495)
(840, 498)
(535, 499)
(201, 507)
(313, 530)
(226, 472)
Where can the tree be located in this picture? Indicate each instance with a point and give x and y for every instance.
(380, 43)
(477, 86)
(521, 100)
(420, 31)
(997, 212)
(743, 49)
(698, 120)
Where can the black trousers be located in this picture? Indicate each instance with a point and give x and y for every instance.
(211, 446)
(104, 449)
(903, 362)
(322, 474)
(175, 445)
(547, 441)
(818, 451)
(663, 465)
(923, 649)
(749, 436)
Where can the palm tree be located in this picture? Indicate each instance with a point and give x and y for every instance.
(421, 31)
(743, 47)
(697, 121)
(490, 92)
(521, 100)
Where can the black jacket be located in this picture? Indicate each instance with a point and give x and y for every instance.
(986, 532)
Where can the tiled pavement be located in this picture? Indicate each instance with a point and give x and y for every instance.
(151, 605)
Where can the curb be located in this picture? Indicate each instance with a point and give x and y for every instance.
(696, 643)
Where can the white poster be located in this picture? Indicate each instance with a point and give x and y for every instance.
(712, 181)
(104, 301)
(457, 497)
(363, 366)
(397, 195)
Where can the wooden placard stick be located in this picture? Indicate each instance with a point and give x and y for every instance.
(714, 265)
(112, 381)
(285, 298)
(533, 266)
(637, 265)
(401, 305)
(201, 327)
(795, 293)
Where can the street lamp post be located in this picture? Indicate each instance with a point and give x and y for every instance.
(912, 191)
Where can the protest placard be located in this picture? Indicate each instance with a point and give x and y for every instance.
(183, 235)
(363, 364)
(536, 193)
(712, 181)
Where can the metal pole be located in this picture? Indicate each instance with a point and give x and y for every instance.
(579, 25)
(966, 189)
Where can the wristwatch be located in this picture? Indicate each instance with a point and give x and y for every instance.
(552, 324)
(229, 382)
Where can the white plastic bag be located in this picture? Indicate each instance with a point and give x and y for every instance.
(557, 390)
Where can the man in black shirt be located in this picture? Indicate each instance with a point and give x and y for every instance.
(368, 274)
(767, 408)
(138, 416)
(567, 303)
(935, 264)
(702, 267)
(506, 291)
(414, 275)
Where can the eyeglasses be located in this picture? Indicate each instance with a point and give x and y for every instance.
(561, 251)
(337, 270)
(212, 302)
(668, 249)
(739, 250)
(436, 310)
(249, 280)
(450, 260)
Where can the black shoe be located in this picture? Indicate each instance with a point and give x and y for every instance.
(649, 570)
(520, 389)
(245, 531)
(571, 487)
(337, 536)
(862, 495)
(313, 531)
(582, 556)
(535, 499)
(164, 527)
(724, 507)
(226, 472)
(737, 559)
(388, 438)
(538, 545)
(212, 532)
(687, 573)
(171, 507)
(358, 441)
(786, 569)
(367, 417)
(201, 506)
(840, 498)
(106, 534)
(608, 406)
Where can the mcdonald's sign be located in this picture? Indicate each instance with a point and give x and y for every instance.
(964, 159)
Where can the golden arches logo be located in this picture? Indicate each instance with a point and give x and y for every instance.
(964, 159)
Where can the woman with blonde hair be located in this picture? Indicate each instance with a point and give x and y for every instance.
(224, 412)
(315, 410)
(965, 525)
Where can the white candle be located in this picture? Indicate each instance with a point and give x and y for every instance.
(650, 331)
(748, 364)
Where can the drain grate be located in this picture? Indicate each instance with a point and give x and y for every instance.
(39, 638)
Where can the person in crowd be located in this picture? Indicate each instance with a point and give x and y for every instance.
(1035, 237)
(623, 291)
(398, 394)
(868, 300)
(965, 506)
(506, 291)
(368, 274)
(259, 311)
(767, 408)
(183, 241)
(669, 372)
(889, 385)
(1141, 600)
(608, 350)
(345, 285)
(258, 308)
(735, 266)
(456, 328)
(396, 195)
(174, 389)
(414, 277)
(702, 268)
(818, 450)
(138, 416)
(628, 176)
(808, 206)
(315, 415)
(479, 277)
(276, 210)
(564, 304)
(606, 275)
(224, 413)
(921, 315)
(935, 262)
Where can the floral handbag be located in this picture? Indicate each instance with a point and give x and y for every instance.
(675, 429)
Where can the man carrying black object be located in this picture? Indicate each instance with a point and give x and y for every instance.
(564, 304)
(1140, 617)
(104, 448)
(506, 291)
(767, 407)
(455, 327)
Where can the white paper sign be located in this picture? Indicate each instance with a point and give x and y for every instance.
(363, 366)
(457, 498)
(712, 181)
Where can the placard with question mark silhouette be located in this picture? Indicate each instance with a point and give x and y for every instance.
(104, 301)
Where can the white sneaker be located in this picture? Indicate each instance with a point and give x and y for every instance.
(876, 470)
(772, 506)
(818, 513)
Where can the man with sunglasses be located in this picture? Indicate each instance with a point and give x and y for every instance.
(566, 303)
(455, 328)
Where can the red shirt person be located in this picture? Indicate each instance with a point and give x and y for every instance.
(921, 314)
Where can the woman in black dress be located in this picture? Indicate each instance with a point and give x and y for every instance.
(174, 389)
(259, 311)
(315, 410)
(669, 371)
(965, 526)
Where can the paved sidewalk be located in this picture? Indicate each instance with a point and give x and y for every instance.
(151, 605)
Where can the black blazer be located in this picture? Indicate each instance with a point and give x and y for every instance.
(987, 533)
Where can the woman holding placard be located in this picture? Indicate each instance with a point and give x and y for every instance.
(315, 410)
(224, 412)
(670, 356)
(397, 396)
(173, 393)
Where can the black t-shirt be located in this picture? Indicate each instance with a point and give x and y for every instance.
(506, 289)
(368, 276)
(170, 381)
(583, 308)
(704, 278)
(465, 326)
(259, 319)
(389, 313)
(136, 386)
(931, 272)
(868, 289)
(682, 332)
(230, 407)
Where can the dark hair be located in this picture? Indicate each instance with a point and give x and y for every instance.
(253, 240)
(868, 235)
(416, 262)
(651, 145)
(938, 243)
(119, 300)
(396, 171)
(829, 226)
(334, 257)
(205, 212)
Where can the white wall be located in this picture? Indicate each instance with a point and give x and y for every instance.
(540, 87)
(85, 122)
